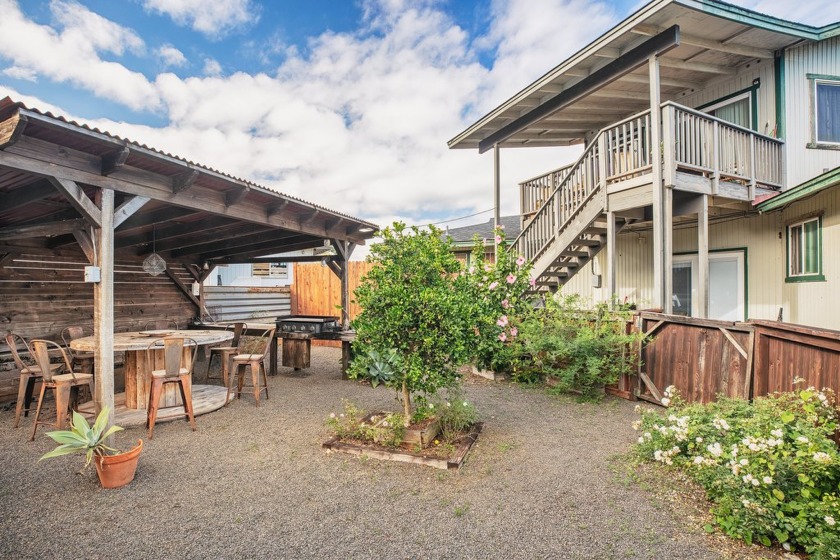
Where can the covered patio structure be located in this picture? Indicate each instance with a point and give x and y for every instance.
(82, 206)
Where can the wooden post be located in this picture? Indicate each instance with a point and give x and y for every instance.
(659, 272)
(497, 187)
(668, 249)
(103, 307)
(703, 257)
(610, 282)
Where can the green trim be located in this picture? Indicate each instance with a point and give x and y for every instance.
(812, 186)
(779, 78)
(823, 77)
(752, 90)
(745, 251)
(818, 277)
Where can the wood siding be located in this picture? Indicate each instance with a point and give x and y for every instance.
(810, 58)
(317, 291)
(41, 295)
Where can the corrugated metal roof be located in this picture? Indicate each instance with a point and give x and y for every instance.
(811, 187)
(8, 105)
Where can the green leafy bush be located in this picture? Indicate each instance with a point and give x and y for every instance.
(770, 466)
(415, 304)
(580, 348)
(497, 294)
(455, 413)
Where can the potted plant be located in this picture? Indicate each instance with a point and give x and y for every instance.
(115, 468)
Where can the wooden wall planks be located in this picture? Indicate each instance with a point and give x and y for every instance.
(40, 295)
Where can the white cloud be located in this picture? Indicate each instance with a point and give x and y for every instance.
(20, 73)
(214, 19)
(212, 67)
(170, 56)
(72, 55)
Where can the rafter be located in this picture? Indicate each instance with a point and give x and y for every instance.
(211, 246)
(44, 229)
(11, 129)
(262, 249)
(183, 181)
(233, 196)
(111, 161)
(86, 245)
(128, 208)
(26, 195)
(696, 41)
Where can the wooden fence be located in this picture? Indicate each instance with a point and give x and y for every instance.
(317, 291)
(704, 358)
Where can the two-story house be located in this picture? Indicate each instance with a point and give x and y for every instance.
(707, 184)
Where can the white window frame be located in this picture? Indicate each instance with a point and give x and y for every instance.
(817, 140)
(693, 259)
(276, 270)
(803, 249)
(746, 95)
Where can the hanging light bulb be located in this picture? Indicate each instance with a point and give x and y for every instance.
(154, 263)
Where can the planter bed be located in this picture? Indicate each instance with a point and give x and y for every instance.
(431, 457)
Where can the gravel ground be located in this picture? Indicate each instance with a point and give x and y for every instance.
(254, 483)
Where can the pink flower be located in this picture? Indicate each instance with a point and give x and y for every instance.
(513, 332)
(533, 282)
(487, 268)
(520, 260)
(510, 278)
(498, 239)
(472, 270)
(503, 321)
(502, 337)
(501, 226)
(505, 303)
(492, 286)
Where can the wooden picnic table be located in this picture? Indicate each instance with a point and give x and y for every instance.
(138, 372)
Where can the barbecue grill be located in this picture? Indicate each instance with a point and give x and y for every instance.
(308, 324)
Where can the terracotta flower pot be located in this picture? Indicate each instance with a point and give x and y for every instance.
(118, 470)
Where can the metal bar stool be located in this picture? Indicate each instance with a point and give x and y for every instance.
(65, 385)
(256, 363)
(30, 374)
(226, 352)
(81, 361)
(173, 372)
(161, 324)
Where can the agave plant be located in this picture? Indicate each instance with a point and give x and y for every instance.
(381, 367)
(82, 438)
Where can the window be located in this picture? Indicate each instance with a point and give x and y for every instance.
(736, 110)
(804, 253)
(270, 270)
(727, 285)
(827, 122)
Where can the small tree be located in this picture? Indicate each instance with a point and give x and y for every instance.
(416, 311)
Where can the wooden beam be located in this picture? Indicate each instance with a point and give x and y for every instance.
(103, 310)
(734, 342)
(697, 66)
(311, 217)
(86, 245)
(276, 208)
(658, 189)
(25, 195)
(664, 82)
(128, 208)
(155, 217)
(697, 41)
(260, 250)
(703, 256)
(184, 180)
(609, 73)
(44, 229)
(11, 130)
(211, 244)
(275, 259)
(78, 199)
(186, 234)
(194, 270)
(112, 161)
(38, 156)
(184, 289)
(233, 196)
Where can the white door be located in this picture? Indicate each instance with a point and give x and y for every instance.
(727, 293)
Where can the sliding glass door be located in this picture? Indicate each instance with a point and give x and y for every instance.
(727, 287)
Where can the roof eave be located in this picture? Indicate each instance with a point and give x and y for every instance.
(810, 187)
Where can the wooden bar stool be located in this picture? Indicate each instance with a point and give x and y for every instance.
(173, 372)
(30, 374)
(256, 363)
(65, 385)
(81, 361)
(226, 352)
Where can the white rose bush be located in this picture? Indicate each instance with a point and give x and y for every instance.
(771, 467)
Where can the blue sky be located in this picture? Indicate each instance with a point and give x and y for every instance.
(345, 103)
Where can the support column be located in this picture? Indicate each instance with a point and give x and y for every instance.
(103, 307)
(668, 248)
(659, 296)
(497, 182)
(610, 282)
(703, 257)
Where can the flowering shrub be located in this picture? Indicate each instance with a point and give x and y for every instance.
(497, 293)
(770, 466)
(455, 413)
(582, 348)
(385, 429)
